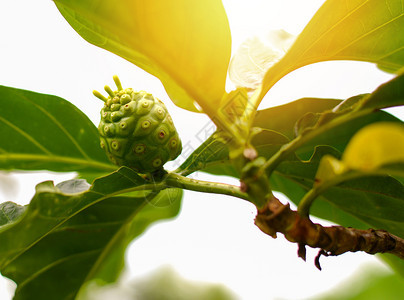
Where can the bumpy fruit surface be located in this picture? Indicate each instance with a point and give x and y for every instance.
(136, 130)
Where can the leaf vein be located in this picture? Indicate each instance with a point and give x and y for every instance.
(332, 27)
(367, 34)
(54, 264)
(5, 215)
(26, 135)
(58, 124)
(390, 53)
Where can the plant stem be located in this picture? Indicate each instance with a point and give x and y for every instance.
(304, 205)
(178, 181)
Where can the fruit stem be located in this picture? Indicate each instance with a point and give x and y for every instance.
(178, 181)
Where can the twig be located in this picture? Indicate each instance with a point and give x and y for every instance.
(334, 240)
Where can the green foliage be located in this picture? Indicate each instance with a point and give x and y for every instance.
(71, 238)
(44, 132)
(75, 233)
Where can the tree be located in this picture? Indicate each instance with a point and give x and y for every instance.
(307, 149)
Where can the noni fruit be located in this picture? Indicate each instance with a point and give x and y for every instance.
(136, 130)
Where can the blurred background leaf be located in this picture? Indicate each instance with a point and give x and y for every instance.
(162, 284)
(375, 146)
(368, 284)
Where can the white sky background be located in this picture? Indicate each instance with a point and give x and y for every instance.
(214, 238)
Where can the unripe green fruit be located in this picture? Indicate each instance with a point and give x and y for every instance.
(136, 130)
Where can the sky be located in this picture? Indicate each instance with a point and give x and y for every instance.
(214, 238)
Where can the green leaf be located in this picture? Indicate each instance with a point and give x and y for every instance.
(284, 117)
(41, 131)
(388, 94)
(185, 44)
(339, 133)
(361, 30)
(311, 120)
(9, 212)
(67, 240)
(213, 155)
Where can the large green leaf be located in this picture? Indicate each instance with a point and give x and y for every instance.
(186, 44)
(284, 117)
(362, 30)
(339, 135)
(67, 239)
(44, 132)
(388, 94)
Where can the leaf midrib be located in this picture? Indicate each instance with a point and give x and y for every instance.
(57, 159)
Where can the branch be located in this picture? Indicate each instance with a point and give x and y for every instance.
(332, 241)
(178, 181)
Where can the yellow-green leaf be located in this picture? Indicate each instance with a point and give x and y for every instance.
(362, 30)
(374, 146)
(329, 168)
(186, 44)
